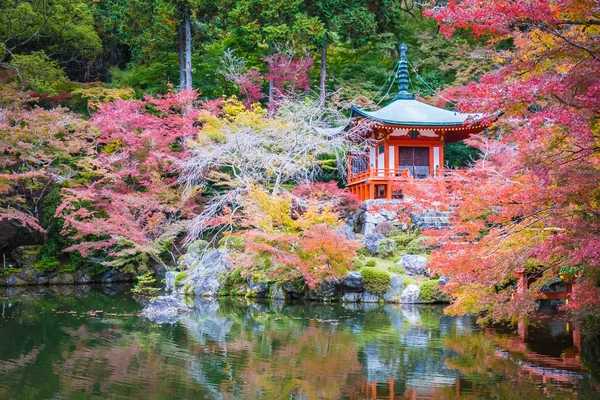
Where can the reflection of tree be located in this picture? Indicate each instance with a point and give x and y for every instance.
(488, 371)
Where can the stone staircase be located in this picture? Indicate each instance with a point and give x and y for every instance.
(431, 219)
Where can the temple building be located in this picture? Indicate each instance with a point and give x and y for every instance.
(409, 138)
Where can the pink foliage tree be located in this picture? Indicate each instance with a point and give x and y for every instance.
(134, 207)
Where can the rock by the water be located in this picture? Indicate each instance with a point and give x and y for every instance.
(203, 272)
(258, 289)
(371, 242)
(368, 297)
(410, 295)
(413, 264)
(165, 309)
(395, 291)
(294, 288)
(15, 281)
(352, 282)
(277, 292)
(109, 276)
(353, 297)
(443, 280)
(26, 255)
(326, 290)
(28, 275)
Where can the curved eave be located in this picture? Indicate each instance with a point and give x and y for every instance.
(357, 111)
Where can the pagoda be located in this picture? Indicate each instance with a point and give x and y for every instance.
(408, 140)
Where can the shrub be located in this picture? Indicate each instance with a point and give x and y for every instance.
(386, 247)
(431, 293)
(403, 240)
(233, 243)
(47, 263)
(414, 247)
(370, 263)
(375, 281)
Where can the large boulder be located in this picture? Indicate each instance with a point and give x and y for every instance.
(204, 272)
(165, 309)
(442, 280)
(410, 295)
(368, 297)
(28, 275)
(295, 289)
(395, 291)
(326, 290)
(26, 255)
(413, 264)
(352, 283)
(371, 242)
(258, 289)
(109, 276)
(348, 231)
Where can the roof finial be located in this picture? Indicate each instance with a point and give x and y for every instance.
(402, 75)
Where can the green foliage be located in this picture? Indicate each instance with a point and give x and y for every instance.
(375, 281)
(180, 277)
(146, 284)
(233, 242)
(386, 247)
(370, 263)
(403, 240)
(47, 263)
(460, 155)
(37, 72)
(234, 284)
(414, 247)
(431, 293)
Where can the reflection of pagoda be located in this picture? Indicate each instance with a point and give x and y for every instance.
(409, 140)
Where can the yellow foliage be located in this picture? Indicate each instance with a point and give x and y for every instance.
(96, 94)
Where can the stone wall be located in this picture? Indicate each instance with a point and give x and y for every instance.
(28, 276)
(375, 212)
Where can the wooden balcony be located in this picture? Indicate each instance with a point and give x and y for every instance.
(374, 183)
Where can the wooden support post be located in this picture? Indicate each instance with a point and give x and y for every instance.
(577, 338)
(371, 191)
(388, 190)
(523, 330)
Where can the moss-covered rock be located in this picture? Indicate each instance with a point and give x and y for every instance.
(375, 281)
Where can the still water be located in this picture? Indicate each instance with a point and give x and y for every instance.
(82, 344)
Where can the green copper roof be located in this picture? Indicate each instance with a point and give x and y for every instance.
(414, 113)
(405, 110)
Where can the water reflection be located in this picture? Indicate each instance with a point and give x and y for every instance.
(95, 345)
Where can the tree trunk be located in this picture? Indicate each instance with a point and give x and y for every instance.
(322, 88)
(271, 105)
(188, 50)
(181, 50)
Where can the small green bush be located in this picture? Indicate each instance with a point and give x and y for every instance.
(179, 277)
(403, 240)
(375, 281)
(386, 247)
(414, 247)
(47, 263)
(370, 263)
(431, 293)
(233, 243)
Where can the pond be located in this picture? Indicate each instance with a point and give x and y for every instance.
(92, 343)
